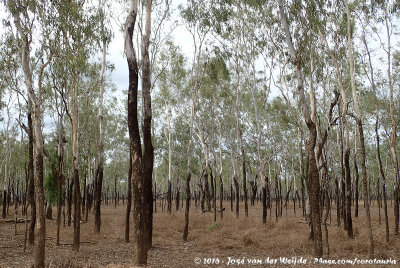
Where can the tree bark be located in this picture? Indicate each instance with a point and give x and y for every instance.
(361, 133)
(312, 174)
(60, 177)
(378, 151)
(148, 154)
(142, 164)
(31, 187)
(100, 156)
(356, 183)
(129, 200)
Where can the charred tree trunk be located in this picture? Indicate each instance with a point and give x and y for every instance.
(237, 195)
(129, 200)
(207, 190)
(169, 197)
(361, 132)
(356, 185)
(187, 207)
(312, 170)
(177, 199)
(4, 214)
(231, 199)
(142, 163)
(264, 201)
(60, 179)
(77, 210)
(69, 210)
(337, 194)
(31, 187)
(246, 205)
(349, 223)
(221, 196)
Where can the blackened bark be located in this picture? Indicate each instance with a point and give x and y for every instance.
(365, 185)
(69, 210)
(221, 196)
(60, 180)
(231, 199)
(237, 195)
(129, 201)
(348, 193)
(97, 198)
(77, 211)
(4, 214)
(142, 164)
(148, 154)
(382, 174)
(177, 198)
(169, 197)
(187, 206)
(264, 204)
(314, 192)
(31, 187)
(40, 233)
(337, 194)
(356, 186)
(207, 190)
(246, 205)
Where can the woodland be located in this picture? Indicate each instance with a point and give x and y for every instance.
(240, 127)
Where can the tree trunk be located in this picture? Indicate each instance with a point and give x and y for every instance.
(237, 195)
(31, 187)
(356, 184)
(378, 151)
(69, 210)
(100, 156)
(129, 200)
(207, 189)
(142, 164)
(187, 206)
(264, 201)
(169, 197)
(60, 177)
(148, 154)
(221, 196)
(361, 133)
(348, 193)
(177, 199)
(231, 199)
(312, 174)
(77, 210)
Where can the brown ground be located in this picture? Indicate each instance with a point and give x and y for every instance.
(231, 237)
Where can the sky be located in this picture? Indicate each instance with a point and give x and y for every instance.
(119, 76)
(115, 56)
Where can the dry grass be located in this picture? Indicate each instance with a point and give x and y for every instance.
(229, 237)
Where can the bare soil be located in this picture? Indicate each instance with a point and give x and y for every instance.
(237, 238)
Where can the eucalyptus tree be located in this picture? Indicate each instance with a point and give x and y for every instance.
(11, 78)
(105, 37)
(171, 83)
(77, 35)
(312, 169)
(336, 58)
(23, 13)
(194, 14)
(142, 162)
(371, 78)
(252, 48)
(360, 128)
(386, 17)
(58, 81)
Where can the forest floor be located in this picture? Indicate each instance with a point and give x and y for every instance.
(230, 238)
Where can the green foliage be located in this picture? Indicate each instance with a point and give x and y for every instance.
(50, 185)
(213, 226)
